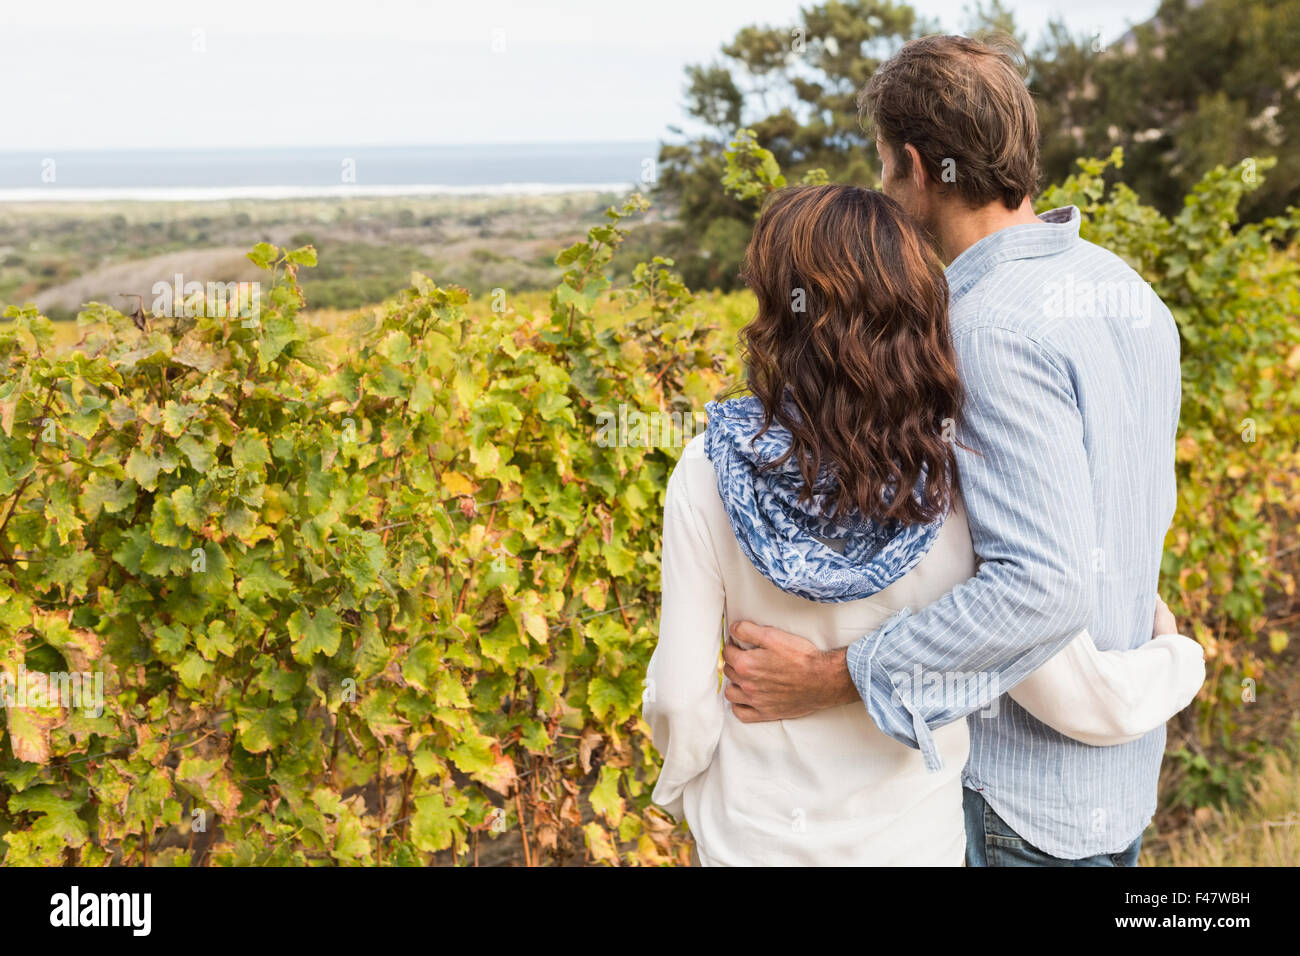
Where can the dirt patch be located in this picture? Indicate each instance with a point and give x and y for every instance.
(110, 283)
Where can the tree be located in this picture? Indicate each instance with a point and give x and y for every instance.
(796, 87)
(1202, 84)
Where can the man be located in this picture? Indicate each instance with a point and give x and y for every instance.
(1066, 446)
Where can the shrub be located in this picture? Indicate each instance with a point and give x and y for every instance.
(357, 610)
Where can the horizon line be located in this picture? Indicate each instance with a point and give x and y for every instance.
(325, 147)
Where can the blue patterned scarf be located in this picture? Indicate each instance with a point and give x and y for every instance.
(779, 534)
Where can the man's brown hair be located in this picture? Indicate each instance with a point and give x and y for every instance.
(963, 101)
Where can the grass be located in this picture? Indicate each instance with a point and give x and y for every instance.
(730, 310)
(61, 255)
(1263, 831)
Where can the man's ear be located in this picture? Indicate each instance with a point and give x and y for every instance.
(916, 170)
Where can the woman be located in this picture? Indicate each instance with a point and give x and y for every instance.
(787, 511)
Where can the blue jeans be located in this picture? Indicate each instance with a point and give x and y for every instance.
(991, 842)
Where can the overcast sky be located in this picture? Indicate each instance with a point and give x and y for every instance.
(152, 73)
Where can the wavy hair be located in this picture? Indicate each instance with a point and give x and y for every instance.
(850, 351)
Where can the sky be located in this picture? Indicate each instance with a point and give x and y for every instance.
(90, 74)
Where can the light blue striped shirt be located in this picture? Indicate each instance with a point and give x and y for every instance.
(1070, 364)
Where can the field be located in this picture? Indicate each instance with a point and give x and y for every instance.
(62, 255)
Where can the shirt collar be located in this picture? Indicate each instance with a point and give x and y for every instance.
(1056, 231)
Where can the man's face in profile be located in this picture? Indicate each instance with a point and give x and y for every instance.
(888, 170)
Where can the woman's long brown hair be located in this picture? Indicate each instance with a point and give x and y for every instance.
(850, 350)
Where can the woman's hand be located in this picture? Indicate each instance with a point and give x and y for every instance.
(1164, 623)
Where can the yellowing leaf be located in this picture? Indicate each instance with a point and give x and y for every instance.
(457, 483)
(598, 842)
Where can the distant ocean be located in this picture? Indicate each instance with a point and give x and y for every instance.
(199, 174)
